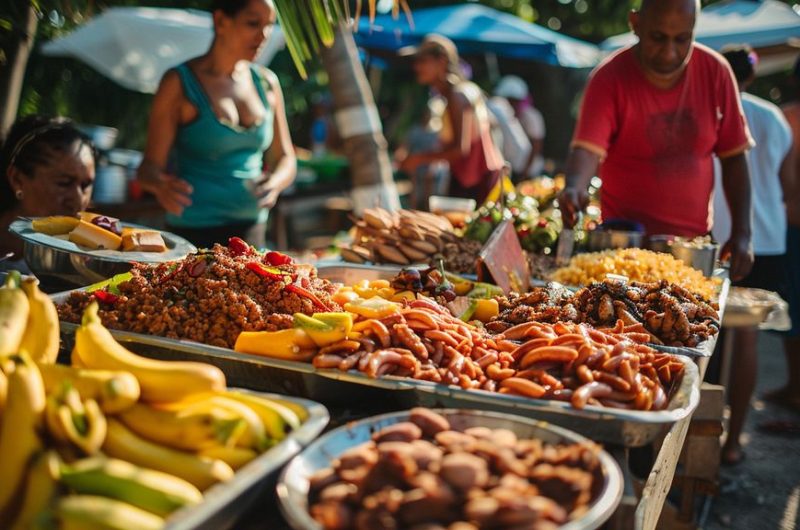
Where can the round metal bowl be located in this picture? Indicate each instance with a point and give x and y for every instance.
(58, 261)
(293, 484)
(599, 239)
(699, 255)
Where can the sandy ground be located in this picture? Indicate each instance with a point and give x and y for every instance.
(763, 492)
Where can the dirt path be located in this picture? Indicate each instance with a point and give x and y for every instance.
(763, 492)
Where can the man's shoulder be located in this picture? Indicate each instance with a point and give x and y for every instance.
(615, 62)
(708, 58)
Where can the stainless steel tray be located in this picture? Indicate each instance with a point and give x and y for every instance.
(224, 504)
(293, 484)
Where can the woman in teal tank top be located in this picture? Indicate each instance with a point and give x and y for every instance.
(225, 120)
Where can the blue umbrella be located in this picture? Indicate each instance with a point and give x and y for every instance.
(479, 29)
(757, 23)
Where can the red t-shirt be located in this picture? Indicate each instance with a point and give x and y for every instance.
(656, 144)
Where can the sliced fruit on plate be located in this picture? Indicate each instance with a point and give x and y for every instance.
(55, 225)
(93, 237)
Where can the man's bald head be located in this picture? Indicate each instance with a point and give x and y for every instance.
(660, 6)
(666, 30)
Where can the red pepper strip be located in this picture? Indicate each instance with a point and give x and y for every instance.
(239, 247)
(276, 258)
(305, 293)
(269, 273)
(105, 297)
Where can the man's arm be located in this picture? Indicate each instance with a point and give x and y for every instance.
(736, 184)
(581, 167)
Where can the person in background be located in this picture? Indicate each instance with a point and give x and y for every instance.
(225, 119)
(652, 117)
(789, 395)
(771, 167)
(466, 142)
(422, 137)
(512, 105)
(48, 168)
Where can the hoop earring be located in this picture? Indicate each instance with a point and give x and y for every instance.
(19, 194)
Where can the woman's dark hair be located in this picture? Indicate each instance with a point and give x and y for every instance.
(743, 61)
(29, 143)
(230, 7)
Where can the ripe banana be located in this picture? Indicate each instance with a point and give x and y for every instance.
(19, 439)
(90, 512)
(41, 487)
(253, 436)
(72, 421)
(188, 429)
(299, 410)
(236, 457)
(202, 472)
(14, 309)
(42, 337)
(114, 391)
(153, 491)
(277, 419)
(160, 381)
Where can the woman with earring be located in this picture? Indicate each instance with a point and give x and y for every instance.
(224, 118)
(466, 141)
(48, 168)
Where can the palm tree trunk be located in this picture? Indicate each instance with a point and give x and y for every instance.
(12, 74)
(359, 125)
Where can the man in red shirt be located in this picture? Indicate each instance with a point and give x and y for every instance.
(652, 118)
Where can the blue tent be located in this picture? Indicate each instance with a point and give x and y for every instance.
(479, 29)
(759, 23)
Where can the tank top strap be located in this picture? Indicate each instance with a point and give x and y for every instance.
(191, 87)
(262, 83)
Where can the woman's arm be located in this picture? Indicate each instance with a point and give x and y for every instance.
(172, 193)
(280, 162)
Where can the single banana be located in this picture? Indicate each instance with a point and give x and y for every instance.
(19, 438)
(202, 472)
(3, 391)
(236, 457)
(73, 421)
(40, 489)
(42, 337)
(114, 391)
(160, 381)
(153, 491)
(299, 410)
(91, 512)
(189, 428)
(277, 419)
(253, 436)
(14, 310)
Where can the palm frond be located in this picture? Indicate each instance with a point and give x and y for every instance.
(310, 24)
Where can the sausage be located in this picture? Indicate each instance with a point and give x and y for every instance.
(436, 335)
(422, 316)
(595, 390)
(524, 387)
(330, 360)
(499, 374)
(563, 354)
(380, 361)
(343, 346)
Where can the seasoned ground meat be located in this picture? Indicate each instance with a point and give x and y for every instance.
(208, 297)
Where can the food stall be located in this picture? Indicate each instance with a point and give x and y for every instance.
(613, 353)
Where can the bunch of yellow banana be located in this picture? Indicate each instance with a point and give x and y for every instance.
(121, 441)
(28, 320)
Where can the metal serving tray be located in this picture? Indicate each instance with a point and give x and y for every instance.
(293, 483)
(224, 504)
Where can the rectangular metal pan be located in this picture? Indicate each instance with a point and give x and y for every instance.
(224, 504)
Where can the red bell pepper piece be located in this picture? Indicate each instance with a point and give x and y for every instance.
(269, 273)
(239, 247)
(305, 293)
(105, 297)
(277, 258)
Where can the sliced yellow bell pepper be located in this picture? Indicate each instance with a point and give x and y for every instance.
(287, 344)
(486, 310)
(375, 307)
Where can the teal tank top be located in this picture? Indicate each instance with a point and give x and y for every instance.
(221, 161)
